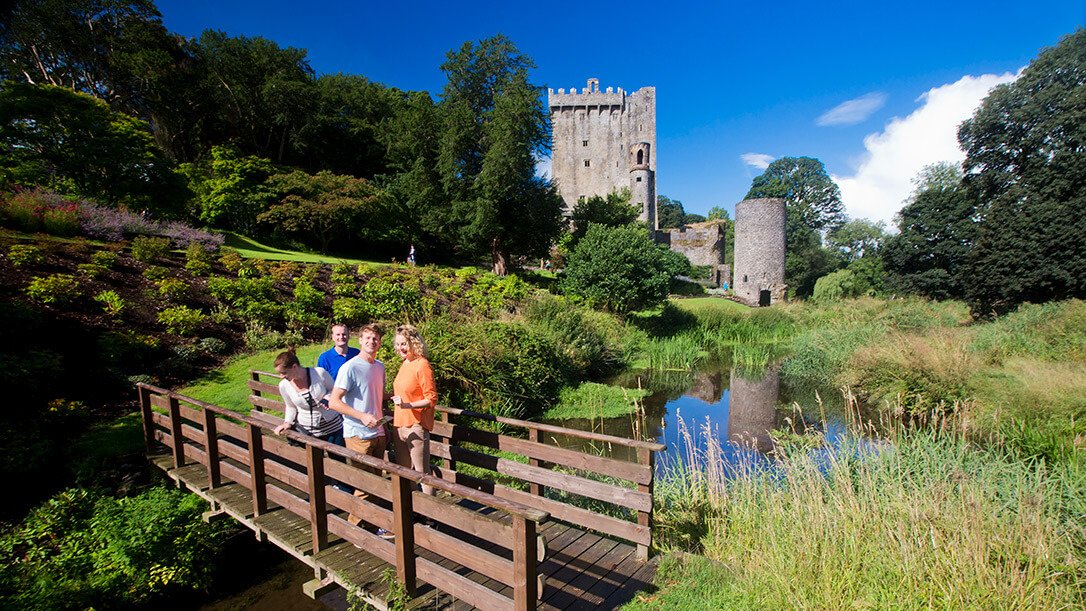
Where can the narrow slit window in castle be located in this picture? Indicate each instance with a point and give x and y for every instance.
(586, 163)
(638, 179)
(584, 142)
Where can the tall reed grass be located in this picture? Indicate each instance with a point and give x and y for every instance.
(920, 519)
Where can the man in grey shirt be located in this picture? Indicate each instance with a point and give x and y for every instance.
(359, 395)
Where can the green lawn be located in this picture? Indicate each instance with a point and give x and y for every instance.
(226, 386)
(248, 247)
(707, 304)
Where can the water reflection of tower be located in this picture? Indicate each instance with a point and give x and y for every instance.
(752, 410)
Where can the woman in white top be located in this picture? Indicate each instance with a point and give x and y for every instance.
(305, 395)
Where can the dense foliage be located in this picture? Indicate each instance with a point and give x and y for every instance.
(1026, 166)
(621, 269)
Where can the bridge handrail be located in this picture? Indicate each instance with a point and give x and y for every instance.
(478, 496)
(538, 426)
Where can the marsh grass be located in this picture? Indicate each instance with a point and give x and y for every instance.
(595, 402)
(679, 353)
(920, 519)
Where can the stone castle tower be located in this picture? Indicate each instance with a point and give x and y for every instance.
(605, 141)
(759, 251)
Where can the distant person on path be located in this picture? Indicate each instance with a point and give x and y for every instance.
(358, 394)
(411, 256)
(414, 398)
(332, 359)
(305, 393)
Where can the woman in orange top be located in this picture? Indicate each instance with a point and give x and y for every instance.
(415, 397)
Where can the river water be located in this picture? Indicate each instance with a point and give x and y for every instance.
(719, 405)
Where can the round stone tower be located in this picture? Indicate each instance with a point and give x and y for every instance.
(759, 251)
(643, 183)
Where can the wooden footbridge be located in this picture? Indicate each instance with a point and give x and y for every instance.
(517, 522)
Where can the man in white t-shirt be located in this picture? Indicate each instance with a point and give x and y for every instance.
(359, 395)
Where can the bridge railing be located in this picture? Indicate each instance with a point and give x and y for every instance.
(616, 495)
(303, 480)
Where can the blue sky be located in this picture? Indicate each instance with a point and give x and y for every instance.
(874, 90)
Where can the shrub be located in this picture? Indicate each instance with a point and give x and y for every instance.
(25, 254)
(104, 258)
(61, 221)
(259, 337)
(148, 250)
(56, 289)
(181, 320)
(212, 345)
(591, 341)
(619, 269)
(156, 272)
(285, 270)
(231, 260)
(172, 288)
(82, 549)
(112, 303)
(393, 297)
(492, 294)
(351, 311)
(197, 259)
(182, 235)
(251, 298)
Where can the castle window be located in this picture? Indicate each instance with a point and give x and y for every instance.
(584, 142)
(638, 179)
(744, 277)
(586, 162)
(640, 157)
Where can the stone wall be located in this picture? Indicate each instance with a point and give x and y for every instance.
(702, 243)
(759, 250)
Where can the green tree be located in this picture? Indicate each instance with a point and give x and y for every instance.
(613, 211)
(669, 212)
(495, 126)
(813, 207)
(935, 234)
(621, 269)
(230, 189)
(718, 213)
(73, 143)
(855, 239)
(343, 134)
(327, 208)
(262, 93)
(1026, 166)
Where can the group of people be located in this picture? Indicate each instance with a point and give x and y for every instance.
(342, 399)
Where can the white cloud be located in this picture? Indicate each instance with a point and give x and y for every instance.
(929, 135)
(758, 160)
(853, 111)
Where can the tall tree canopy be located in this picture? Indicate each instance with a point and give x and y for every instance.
(495, 126)
(935, 233)
(1026, 165)
(813, 208)
(74, 143)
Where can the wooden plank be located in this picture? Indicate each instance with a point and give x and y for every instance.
(644, 518)
(550, 428)
(266, 403)
(565, 594)
(461, 587)
(472, 555)
(402, 518)
(580, 588)
(367, 510)
(366, 540)
(540, 452)
(288, 501)
(358, 478)
(608, 493)
(460, 518)
(211, 445)
(524, 565)
(148, 421)
(256, 470)
(291, 477)
(318, 512)
(177, 433)
(640, 580)
(259, 387)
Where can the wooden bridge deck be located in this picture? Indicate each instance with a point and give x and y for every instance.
(582, 570)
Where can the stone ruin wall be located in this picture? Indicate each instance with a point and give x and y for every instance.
(702, 243)
(759, 250)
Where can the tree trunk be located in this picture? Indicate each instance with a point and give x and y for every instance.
(501, 260)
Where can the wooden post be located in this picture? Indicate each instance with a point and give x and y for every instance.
(211, 433)
(256, 378)
(535, 489)
(403, 527)
(644, 518)
(177, 433)
(318, 511)
(449, 463)
(256, 471)
(148, 421)
(525, 564)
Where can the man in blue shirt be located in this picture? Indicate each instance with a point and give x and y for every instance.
(334, 358)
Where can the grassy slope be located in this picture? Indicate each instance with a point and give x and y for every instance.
(250, 248)
(226, 386)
